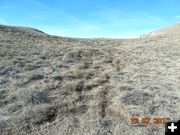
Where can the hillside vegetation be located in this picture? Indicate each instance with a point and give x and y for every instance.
(52, 85)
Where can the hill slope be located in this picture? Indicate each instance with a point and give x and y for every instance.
(55, 85)
(173, 30)
(21, 30)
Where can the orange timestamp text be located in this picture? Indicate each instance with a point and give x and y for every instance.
(148, 120)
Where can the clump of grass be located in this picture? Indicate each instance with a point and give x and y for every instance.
(42, 113)
(85, 64)
(80, 86)
(136, 98)
(2, 82)
(3, 97)
(13, 107)
(58, 78)
(3, 94)
(75, 85)
(33, 97)
(73, 74)
(117, 65)
(73, 56)
(79, 74)
(30, 67)
(35, 77)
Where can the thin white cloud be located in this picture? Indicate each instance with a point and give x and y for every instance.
(154, 18)
(79, 25)
(84, 25)
(119, 18)
(178, 16)
(78, 31)
(39, 4)
(109, 14)
(46, 8)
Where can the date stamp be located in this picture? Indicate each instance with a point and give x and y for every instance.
(148, 120)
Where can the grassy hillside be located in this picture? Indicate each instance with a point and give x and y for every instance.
(53, 85)
(173, 30)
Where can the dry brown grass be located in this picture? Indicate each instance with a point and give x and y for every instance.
(54, 85)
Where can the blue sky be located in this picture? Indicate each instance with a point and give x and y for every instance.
(91, 18)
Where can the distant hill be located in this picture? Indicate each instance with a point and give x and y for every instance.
(173, 30)
(18, 29)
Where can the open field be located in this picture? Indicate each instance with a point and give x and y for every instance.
(53, 85)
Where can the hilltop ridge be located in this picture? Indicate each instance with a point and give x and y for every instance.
(16, 29)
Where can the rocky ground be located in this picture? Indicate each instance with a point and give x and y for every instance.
(56, 85)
